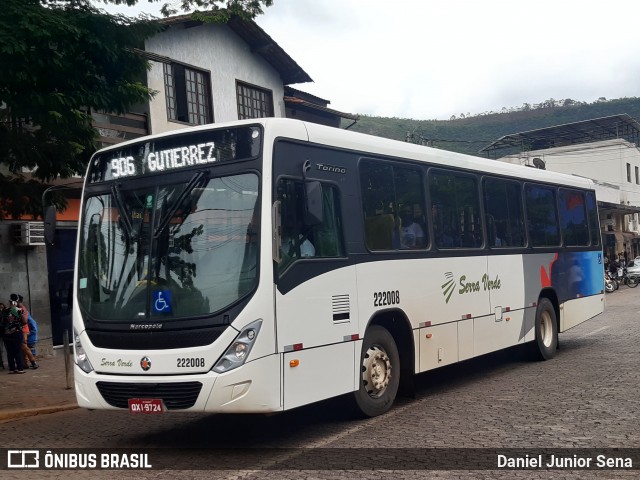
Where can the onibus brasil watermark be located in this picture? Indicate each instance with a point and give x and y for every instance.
(33, 459)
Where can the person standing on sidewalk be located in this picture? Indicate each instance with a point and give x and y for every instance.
(13, 337)
(24, 315)
(31, 340)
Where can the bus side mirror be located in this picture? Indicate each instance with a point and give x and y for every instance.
(313, 202)
(50, 224)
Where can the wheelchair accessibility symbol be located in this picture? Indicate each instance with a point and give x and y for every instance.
(162, 301)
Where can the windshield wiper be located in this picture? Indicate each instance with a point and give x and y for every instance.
(178, 203)
(115, 191)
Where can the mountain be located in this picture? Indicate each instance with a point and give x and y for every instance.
(472, 133)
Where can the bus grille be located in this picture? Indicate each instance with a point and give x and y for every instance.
(176, 396)
(142, 340)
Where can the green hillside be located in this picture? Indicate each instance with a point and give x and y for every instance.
(468, 135)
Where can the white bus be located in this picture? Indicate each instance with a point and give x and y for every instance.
(258, 266)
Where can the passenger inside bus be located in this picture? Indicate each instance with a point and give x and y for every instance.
(381, 231)
(411, 232)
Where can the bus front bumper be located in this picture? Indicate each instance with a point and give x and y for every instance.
(255, 387)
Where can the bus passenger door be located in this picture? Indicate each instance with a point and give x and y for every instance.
(316, 324)
(315, 294)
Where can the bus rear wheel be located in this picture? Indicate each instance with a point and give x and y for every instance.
(546, 328)
(379, 372)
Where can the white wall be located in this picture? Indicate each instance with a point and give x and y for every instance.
(218, 50)
(606, 192)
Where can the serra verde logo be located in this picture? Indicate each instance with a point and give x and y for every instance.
(466, 286)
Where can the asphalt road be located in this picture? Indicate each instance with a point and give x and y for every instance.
(587, 397)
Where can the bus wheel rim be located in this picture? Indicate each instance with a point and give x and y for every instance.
(546, 329)
(376, 371)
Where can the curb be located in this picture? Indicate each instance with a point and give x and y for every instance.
(30, 412)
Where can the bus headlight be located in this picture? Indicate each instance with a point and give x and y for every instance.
(80, 355)
(239, 350)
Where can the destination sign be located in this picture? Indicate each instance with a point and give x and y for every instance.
(176, 152)
(180, 157)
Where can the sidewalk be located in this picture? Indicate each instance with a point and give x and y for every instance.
(38, 391)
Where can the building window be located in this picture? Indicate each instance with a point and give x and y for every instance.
(629, 172)
(187, 93)
(253, 102)
(637, 177)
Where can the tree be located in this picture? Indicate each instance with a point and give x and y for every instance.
(61, 60)
(211, 10)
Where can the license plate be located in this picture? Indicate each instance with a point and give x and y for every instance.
(146, 405)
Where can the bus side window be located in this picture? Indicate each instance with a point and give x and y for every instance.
(573, 218)
(594, 224)
(542, 216)
(302, 241)
(504, 212)
(393, 205)
(455, 210)
(328, 234)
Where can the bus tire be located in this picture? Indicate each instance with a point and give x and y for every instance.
(379, 372)
(546, 342)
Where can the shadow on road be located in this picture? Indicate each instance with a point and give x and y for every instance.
(320, 420)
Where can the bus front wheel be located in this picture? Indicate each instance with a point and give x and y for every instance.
(546, 342)
(379, 372)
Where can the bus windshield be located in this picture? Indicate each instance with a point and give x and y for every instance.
(169, 251)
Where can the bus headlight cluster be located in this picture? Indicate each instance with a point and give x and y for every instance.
(239, 350)
(80, 355)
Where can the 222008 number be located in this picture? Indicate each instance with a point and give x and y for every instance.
(190, 362)
(380, 299)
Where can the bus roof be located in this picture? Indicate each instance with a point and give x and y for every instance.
(383, 146)
(364, 143)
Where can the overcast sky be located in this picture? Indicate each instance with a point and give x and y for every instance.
(431, 59)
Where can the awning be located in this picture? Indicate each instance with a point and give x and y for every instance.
(630, 237)
(606, 207)
(295, 102)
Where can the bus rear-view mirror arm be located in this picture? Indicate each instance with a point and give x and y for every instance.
(276, 231)
(313, 201)
(312, 198)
